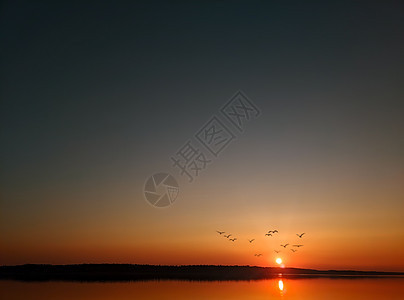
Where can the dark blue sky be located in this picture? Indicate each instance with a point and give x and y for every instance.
(76, 76)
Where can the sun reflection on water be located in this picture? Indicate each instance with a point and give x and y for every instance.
(280, 285)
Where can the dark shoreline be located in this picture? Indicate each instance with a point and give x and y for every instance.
(128, 272)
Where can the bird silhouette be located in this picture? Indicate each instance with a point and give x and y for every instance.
(220, 232)
(273, 231)
(268, 234)
(227, 236)
(300, 235)
(293, 250)
(277, 251)
(297, 246)
(258, 255)
(251, 240)
(232, 239)
(284, 246)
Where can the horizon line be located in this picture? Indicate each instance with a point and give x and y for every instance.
(207, 265)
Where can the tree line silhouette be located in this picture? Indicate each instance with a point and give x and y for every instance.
(127, 272)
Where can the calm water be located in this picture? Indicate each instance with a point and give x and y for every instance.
(323, 288)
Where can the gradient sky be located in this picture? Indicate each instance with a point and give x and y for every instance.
(97, 97)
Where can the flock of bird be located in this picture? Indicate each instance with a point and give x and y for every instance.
(268, 234)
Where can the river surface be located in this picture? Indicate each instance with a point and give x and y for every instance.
(280, 288)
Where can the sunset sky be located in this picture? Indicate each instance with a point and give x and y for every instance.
(97, 97)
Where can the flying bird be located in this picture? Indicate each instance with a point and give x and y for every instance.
(273, 231)
(284, 246)
(258, 255)
(251, 240)
(268, 234)
(227, 236)
(232, 239)
(300, 235)
(277, 251)
(293, 250)
(220, 232)
(297, 246)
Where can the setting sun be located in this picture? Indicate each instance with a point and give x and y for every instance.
(278, 260)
